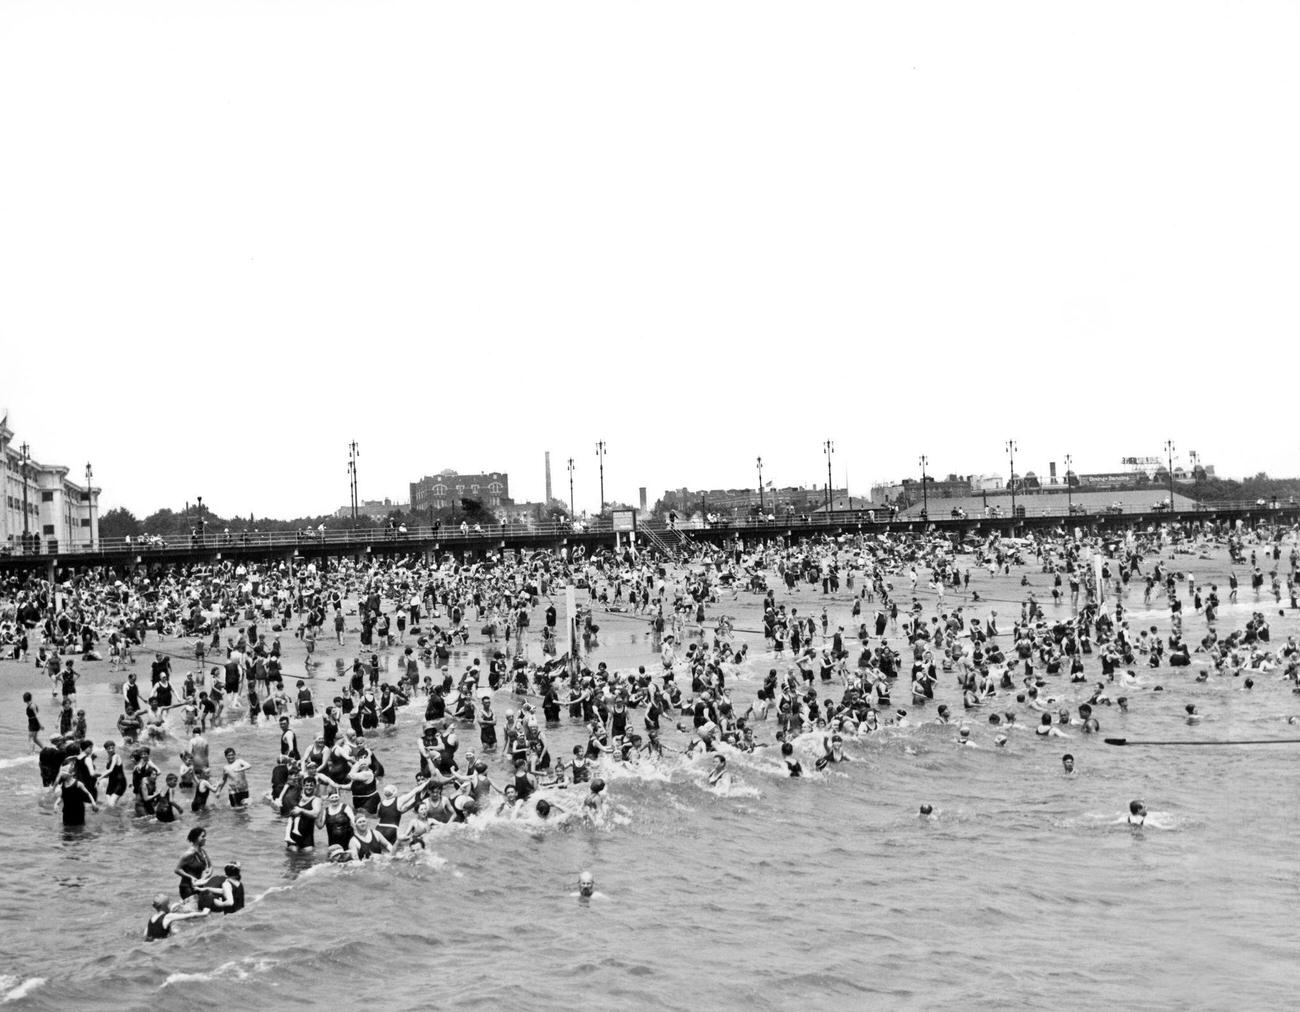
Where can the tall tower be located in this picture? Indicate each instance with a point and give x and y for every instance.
(548, 476)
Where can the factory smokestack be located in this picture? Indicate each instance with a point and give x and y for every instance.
(548, 476)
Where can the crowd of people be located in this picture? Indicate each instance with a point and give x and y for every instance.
(859, 632)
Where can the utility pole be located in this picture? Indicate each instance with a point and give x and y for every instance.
(202, 522)
(572, 514)
(600, 452)
(829, 447)
(90, 508)
(760, 486)
(925, 495)
(353, 454)
(1069, 489)
(26, 533)
(1011, 452)
(1169, 449)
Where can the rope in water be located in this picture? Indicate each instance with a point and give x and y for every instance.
(1249, 741)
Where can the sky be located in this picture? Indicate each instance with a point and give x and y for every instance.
(235, 237)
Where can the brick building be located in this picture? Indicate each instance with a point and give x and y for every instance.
(447, 488)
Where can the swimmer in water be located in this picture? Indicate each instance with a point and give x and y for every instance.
(235, 775)
(1046, 729)
(927, 811)
(366, 842)
(164, 916)
(34, 727)
(510, 802)
(587, 888)
(1000, 741)
(963, 737)
(794, 767)
(1193, 717)
(1067, 762)
(1137, 813)
(834, 746)
(594, 802)
(337, 855)
(719, 770)
(415, 831)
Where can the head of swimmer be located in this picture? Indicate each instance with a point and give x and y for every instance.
(586, 884)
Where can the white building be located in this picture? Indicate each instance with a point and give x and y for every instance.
(60, 515)
(985, 482)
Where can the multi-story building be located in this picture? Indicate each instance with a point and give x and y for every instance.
(56, 514)
(447, 488)
(375, 509)
(709, 500)
(986, 482)
(951, 487)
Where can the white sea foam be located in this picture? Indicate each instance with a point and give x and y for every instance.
(239, 969)
(13, 988)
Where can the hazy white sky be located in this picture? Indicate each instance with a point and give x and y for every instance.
(235, 236)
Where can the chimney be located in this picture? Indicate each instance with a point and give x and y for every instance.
(548, 476)
(642, 498)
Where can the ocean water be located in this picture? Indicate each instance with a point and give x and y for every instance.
(1024, 889)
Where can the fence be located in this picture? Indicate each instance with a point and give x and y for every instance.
(419, 537)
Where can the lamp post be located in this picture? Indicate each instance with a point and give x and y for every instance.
(26, 533)
(1169, 449)
(572, 514)
(1069, 489)
(829, 447)
(90, 507)
(199, 509)
(600, 452)
(925, 496)
(1011, 452)
(353, 454)
(760, 485)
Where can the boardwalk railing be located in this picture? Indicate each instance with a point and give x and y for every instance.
(656, 533)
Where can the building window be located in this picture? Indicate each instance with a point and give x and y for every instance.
(48, 529)
(85, 521)
(47, 497)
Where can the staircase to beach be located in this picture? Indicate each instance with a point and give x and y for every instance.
(670, 542)
(653, 540)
